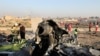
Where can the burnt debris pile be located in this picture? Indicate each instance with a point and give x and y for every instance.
(48, 42)
(70, 51)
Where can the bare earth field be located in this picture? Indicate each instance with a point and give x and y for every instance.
(90, 39)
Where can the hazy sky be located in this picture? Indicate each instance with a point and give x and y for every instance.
(50, 8)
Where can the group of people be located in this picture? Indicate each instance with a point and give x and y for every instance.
(93, 24)
(73, 34)
(18, 30)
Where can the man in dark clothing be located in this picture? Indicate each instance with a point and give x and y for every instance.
(90, 26)
(66, 26)
(22, 31)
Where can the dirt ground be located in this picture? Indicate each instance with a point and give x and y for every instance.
(90, 39)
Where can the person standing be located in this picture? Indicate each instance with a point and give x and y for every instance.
(66, 26)
(61, 24)
(96, 28)
(69, 27)
(15, 32)
(75, 35)
(22, 31)
(90, 26)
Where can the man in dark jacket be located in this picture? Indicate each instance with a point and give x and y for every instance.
(22, 31)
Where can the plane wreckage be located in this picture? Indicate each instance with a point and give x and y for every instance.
(48, 42)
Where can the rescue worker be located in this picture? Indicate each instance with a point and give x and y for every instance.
(90, 26)
(15, 32)
(96, 28)
(66, 26)
(22, 32)
(75, 35)
(69, 29)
